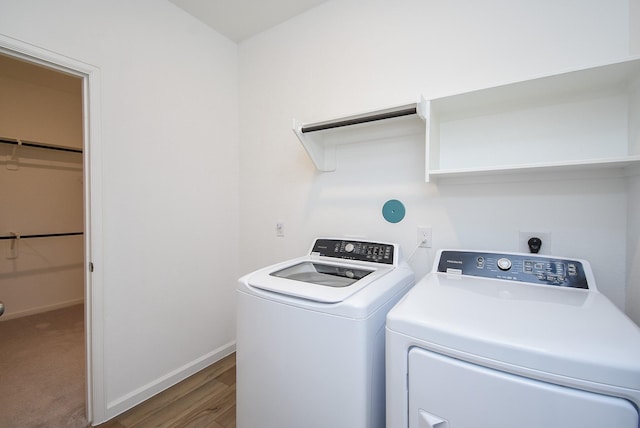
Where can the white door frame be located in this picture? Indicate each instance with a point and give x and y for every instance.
(93, 266)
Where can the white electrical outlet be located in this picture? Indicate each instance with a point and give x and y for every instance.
(280, 229)
(523, 242)
(425, 236)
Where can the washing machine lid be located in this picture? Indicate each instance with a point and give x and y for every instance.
(317, 280)
(334, 270)
(322, 274)
(523, 328)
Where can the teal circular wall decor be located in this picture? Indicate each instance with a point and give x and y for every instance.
(393, 211)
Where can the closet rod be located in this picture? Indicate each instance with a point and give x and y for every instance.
(42, 235)
(401, 111)
(39, 145)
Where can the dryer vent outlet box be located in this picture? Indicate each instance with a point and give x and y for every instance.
(524, 237)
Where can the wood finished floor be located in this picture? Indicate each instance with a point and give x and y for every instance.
(206, 399)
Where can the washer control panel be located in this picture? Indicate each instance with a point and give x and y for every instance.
(515, 267)
(363, 251)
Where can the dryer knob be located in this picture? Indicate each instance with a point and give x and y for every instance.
(349, 247)
(504, 263)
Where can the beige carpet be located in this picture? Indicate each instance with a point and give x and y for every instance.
(42, 374)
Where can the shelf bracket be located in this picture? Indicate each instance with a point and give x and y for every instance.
(322, 155)
(13, 164)
(13, 248)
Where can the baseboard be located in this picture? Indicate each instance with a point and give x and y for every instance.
(126, 402)
(41, 309)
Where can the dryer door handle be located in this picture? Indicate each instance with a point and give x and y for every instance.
(429, 420)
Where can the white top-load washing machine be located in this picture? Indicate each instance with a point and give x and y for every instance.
(507, 340)
(310, 336)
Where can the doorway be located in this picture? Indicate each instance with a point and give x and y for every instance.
(84, 162)
(42, 265)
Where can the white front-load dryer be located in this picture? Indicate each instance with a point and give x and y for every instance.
(506, 340)
(310, 337)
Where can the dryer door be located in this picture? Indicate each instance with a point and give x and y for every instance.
(448, 393)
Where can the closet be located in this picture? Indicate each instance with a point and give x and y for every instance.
(42, 350)
(41, 189)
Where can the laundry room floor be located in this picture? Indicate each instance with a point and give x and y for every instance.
(206, 399)
(42, 369)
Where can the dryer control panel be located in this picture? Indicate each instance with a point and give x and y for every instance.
(515, 267)
(363, 251)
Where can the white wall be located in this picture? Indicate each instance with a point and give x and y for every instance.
(169, 120)
(633, 248)
(41, 190)
(633, 227)
(345, 57)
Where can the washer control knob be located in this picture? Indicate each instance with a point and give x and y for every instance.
(504, 263)
(349, 247)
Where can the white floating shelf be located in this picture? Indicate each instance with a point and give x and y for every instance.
(321, 138)
(590, 165)
(581, 120)
(587, 119)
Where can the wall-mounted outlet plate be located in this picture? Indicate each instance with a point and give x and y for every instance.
(425, 236)
(523, 242)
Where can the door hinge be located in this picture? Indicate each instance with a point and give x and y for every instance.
(90, 266)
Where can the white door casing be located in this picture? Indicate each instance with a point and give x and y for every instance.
(94, 316)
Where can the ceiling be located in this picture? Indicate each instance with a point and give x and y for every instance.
(240, 19)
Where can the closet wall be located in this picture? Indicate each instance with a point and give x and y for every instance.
(41, 190)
